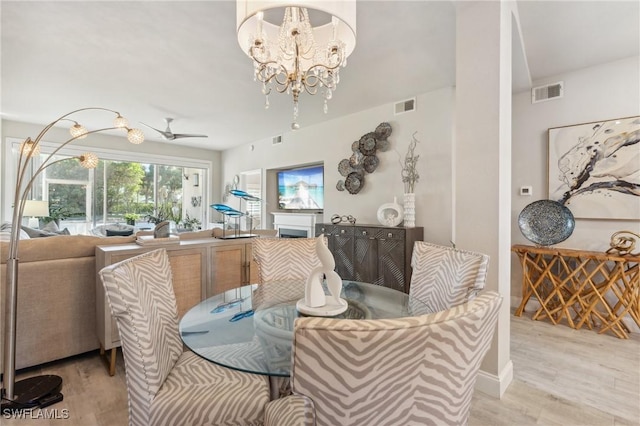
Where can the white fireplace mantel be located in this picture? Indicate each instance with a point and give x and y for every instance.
(296, 221)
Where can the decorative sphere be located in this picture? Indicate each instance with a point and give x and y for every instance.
(135, 136)
(78, 131)
(88, 160)
(120, 122)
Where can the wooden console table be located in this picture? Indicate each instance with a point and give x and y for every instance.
(573, 284)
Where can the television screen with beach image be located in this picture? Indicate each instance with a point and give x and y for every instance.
(301, 189)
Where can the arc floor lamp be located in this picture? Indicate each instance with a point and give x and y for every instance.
(39, 391)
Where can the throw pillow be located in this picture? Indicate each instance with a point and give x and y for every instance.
(115, 233)
(37, 233)
(5, 232)
(50, 227)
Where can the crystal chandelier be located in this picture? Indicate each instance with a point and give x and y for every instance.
(296, 56)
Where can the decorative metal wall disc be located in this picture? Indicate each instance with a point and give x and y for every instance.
(356, 159)
(368, 144)
(354, 183)
(340, 185)
(370, 163)
(344, 168)
(383, 145)
(383, 131)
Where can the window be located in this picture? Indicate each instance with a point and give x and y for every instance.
(119, 191)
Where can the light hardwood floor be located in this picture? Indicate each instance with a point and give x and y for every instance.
(561, 377)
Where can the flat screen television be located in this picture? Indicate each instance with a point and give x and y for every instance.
(301, 188)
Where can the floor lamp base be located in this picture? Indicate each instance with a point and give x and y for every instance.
(34, 392)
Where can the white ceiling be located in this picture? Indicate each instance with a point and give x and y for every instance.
(181, 59)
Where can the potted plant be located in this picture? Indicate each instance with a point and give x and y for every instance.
(58, 213)
(191, 223)
(131, 218)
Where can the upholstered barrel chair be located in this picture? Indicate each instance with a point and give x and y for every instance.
(165, 385)
(410, 371)
(444, 277)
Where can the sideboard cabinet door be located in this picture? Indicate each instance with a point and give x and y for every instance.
(373, 254)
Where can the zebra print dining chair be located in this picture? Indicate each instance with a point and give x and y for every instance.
(165, 385)
(284, 264)
(444, 277)
(396, 372)
(282, 259)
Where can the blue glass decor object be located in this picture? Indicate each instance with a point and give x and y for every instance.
(239, 316)
(226, 210)
(546, 222)
(244, 195)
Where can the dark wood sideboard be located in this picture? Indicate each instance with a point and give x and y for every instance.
(374, 254)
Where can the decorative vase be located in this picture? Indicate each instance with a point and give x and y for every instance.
(410, 209)
(390, 214)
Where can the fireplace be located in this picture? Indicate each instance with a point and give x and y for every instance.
(292, 233)
(296, 225)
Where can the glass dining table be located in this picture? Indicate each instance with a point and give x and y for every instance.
(250, 328)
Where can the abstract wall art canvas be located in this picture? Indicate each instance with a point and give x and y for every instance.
(594, 168)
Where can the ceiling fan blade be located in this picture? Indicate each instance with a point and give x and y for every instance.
(164, 134)
(188, 135)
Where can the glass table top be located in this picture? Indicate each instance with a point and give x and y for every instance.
(245, 330)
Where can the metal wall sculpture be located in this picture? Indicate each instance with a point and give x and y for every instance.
(364, 158)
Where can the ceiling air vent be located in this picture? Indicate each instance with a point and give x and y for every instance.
(547, 92)
(405, 106)
(277, 140)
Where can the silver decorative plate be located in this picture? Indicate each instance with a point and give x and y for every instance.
(546, 222)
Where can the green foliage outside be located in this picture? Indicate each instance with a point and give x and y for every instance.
(129, 190)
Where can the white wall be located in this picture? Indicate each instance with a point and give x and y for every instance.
(330, 142)
(19, 130)
(602, 92)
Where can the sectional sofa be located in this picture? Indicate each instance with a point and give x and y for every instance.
(56, 315)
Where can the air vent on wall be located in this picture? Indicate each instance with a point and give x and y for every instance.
(277, 140)
(405, 106)
(547, 92)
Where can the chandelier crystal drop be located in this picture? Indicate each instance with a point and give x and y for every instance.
(296, 56)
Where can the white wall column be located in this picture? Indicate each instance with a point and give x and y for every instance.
(482, 160)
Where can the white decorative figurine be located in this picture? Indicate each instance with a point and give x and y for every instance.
(315, 302)
(390, 214)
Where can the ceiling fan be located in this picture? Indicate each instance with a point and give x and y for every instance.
(169, 135)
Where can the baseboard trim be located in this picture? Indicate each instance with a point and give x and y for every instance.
(493, 385)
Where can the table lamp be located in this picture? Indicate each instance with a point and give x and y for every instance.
(35, 209)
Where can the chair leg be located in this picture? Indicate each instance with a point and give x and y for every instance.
(110, 359)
